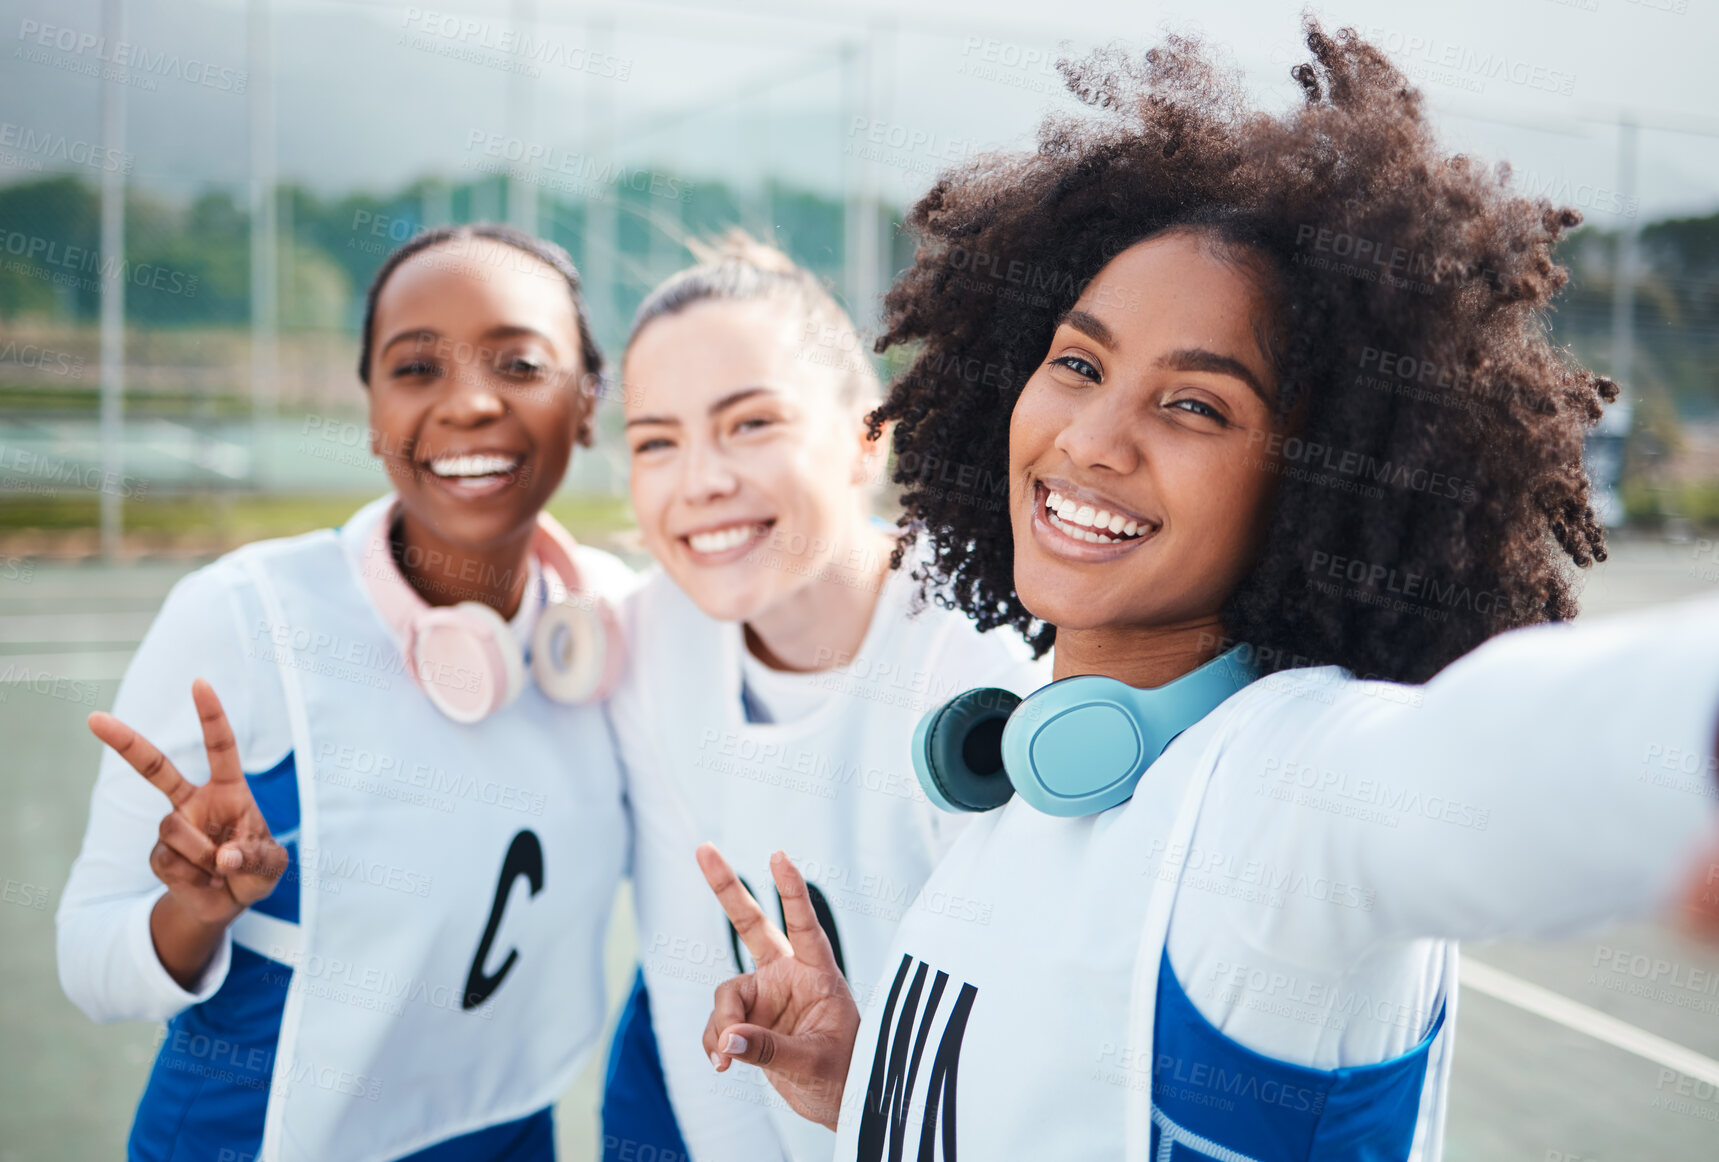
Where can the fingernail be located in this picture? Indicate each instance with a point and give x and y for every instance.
(716, 1062)
(735, 1045)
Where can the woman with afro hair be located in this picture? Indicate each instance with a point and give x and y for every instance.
(1255, 418)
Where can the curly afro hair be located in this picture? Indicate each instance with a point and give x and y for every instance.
(1431, 491)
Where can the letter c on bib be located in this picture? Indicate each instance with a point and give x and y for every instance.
(524, 858)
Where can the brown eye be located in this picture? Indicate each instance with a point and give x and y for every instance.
(1079, 366)
(1200, 408)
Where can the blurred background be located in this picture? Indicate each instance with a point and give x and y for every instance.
(194, 195)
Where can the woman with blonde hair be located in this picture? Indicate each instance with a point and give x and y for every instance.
(779, 669)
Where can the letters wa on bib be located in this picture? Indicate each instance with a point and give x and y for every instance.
(1255, 957)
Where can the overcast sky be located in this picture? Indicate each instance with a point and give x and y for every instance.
(370, 95)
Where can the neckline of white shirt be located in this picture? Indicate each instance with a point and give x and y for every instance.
(797, 698)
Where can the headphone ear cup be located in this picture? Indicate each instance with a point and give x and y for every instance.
(465, 658)
(570, 652)
(958, 751)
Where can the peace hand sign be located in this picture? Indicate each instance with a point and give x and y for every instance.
(215, 853)
(793, 1016)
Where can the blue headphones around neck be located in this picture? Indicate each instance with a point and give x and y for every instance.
(1076, 747)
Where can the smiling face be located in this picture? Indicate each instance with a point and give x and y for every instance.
(475, 396)
(746, 466)
(1138, 424)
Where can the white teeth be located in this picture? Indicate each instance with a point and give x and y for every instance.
(721, 540)
(473, 465)
(1081, 534)
(1088, 523)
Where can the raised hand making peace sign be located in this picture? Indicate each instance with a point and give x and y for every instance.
(793, 1016)
(215, 853)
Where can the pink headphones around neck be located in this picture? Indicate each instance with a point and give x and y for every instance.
(465, 657)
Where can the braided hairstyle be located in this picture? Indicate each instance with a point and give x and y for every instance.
(544, 251)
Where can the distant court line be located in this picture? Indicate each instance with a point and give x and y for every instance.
(57, 628)
(73, 665)
(1542, 1002)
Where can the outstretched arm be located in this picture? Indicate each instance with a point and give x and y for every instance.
(1554, 778)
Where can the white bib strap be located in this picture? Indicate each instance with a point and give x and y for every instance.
(304, 765)
(1154, 935)
(269, 936)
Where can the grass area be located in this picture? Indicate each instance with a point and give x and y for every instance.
(229, 519)
(1697, 502)
(21, 399)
